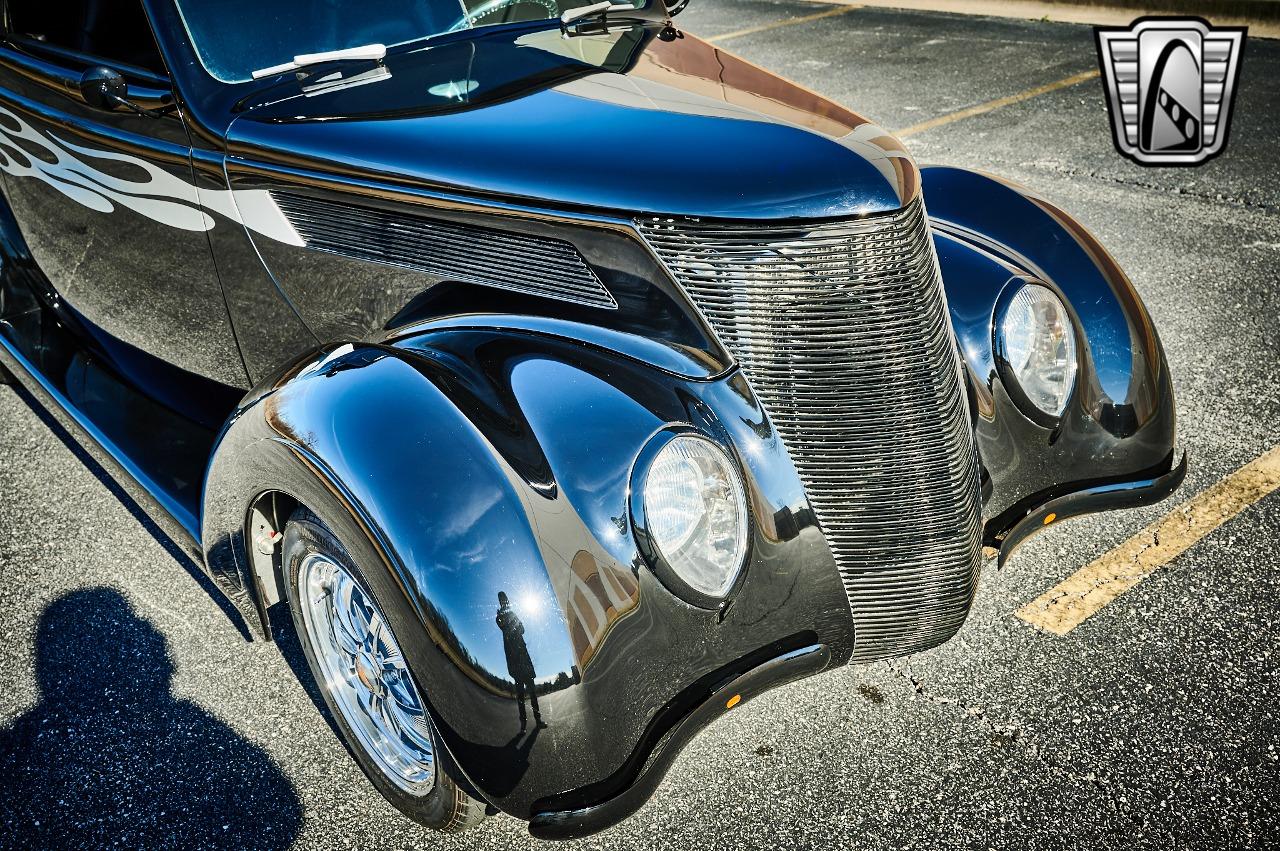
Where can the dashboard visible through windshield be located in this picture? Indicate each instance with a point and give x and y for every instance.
(235, 37)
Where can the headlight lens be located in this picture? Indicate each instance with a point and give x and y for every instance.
(1040, 347)
(696, 514)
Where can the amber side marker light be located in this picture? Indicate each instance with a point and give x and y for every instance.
(733, 701)
(1049, 518)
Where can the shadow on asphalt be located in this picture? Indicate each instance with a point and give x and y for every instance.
(110, 758)
(285, 636)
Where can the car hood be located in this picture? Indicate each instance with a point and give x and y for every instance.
(639, 120)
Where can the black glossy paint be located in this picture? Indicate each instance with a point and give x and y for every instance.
(465, 440)
(141, 281)
(581, 132)
(1120, 422)
(544, 433)
(341, 298)
(565, 816)
(153, 425)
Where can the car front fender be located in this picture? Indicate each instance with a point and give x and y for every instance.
(1117, 435)
(464, 462)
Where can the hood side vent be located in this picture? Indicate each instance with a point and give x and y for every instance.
(523, 263)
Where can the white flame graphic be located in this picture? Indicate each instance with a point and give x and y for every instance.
(161, 197)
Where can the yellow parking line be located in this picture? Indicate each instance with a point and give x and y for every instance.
(994, 104)
(788, 22)
(1068, 604)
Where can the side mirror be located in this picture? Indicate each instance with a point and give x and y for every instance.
(675, 7)
(104, 88)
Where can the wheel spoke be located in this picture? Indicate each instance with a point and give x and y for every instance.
(380, 714)
(392, 660)
(350, 644)
(373, 630)
(366, 674)
(347, 668)
(348, 606)
(362, 613)
(369, 702)
(411, 733)
(402, 691)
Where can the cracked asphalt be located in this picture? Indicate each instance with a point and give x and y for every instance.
(148, 721)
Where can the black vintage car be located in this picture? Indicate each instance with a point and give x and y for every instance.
(568, 379)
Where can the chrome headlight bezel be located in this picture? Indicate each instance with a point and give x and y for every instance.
(1014, 305)
(660, 564)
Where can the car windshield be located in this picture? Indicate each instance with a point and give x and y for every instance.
(235, 37)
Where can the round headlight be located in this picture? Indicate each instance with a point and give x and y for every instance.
(1039, 345)
(695, 515)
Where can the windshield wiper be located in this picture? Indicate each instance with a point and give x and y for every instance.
(595, 9)
(373, 52)
(598, 13)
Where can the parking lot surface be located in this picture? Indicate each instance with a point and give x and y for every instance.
(135, 714)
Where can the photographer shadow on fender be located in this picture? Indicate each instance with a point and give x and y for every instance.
(110, 758)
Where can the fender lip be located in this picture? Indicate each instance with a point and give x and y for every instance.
(548, 822)
(1146, 490)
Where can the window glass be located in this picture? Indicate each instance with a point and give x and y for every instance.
(236, 37)
(115, 31)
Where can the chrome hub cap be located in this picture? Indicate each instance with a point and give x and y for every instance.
(364, 671)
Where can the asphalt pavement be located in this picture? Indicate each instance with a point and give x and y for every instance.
(1151, 725)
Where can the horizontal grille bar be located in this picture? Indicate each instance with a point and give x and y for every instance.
(522, 263)
(842, 330)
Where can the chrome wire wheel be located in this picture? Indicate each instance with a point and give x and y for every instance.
(364, 672)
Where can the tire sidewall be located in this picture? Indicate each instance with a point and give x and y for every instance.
(306, 533)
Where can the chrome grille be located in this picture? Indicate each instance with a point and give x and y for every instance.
(842, 330)
(520, 262)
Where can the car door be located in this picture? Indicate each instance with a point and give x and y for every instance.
(105, 198)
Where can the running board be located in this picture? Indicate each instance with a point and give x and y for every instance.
(176, 519)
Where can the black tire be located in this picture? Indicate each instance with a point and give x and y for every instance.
(445, 807)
